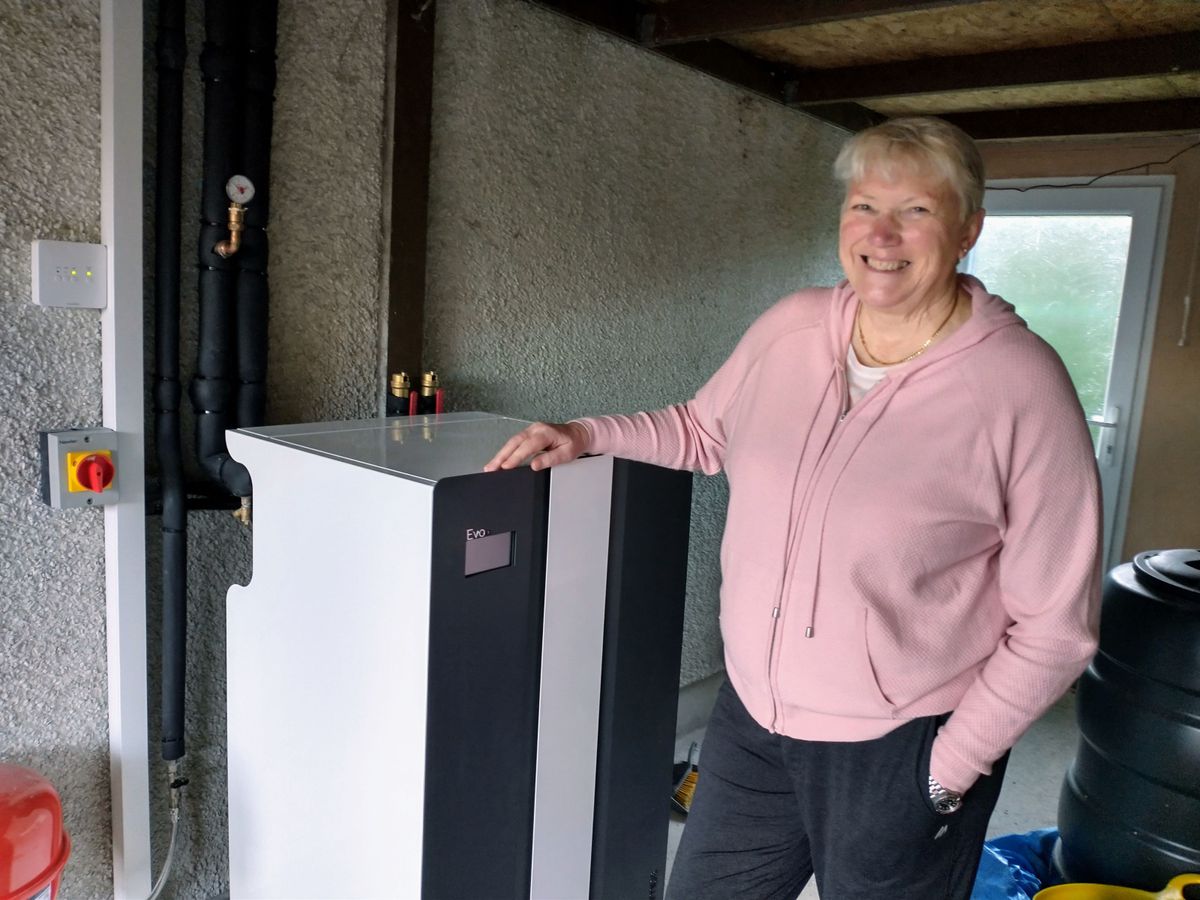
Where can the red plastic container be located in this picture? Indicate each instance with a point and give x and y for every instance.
(33, 844)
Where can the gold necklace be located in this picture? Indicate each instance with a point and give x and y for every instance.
(875, 359)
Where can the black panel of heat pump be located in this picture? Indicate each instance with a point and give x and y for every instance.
(643, 629)
(484, 666)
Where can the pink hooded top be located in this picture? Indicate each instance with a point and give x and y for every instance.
(932, 549)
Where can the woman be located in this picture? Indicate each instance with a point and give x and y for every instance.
(910, 556)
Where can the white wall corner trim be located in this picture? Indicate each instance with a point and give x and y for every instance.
(125, 521)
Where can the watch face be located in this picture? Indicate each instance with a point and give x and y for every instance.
(947, 803)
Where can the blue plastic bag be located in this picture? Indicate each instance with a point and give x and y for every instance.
(1016, 866)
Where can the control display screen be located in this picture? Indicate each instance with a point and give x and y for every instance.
(493, 551)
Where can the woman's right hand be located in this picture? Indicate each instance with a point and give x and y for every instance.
(553, 442)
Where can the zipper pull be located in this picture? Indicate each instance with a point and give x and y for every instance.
(775, 612)
(843, 384)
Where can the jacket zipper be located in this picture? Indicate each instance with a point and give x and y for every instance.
(777, 610)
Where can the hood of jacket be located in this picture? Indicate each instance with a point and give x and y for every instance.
(989, 313)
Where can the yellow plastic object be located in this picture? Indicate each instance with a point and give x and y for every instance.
(1173, 891)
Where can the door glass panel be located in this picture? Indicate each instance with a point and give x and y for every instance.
(1065, 275)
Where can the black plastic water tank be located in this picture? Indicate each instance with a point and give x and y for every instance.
(1129, 813)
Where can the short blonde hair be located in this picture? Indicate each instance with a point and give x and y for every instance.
(915, 144)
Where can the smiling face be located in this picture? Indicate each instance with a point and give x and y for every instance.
(900, 240)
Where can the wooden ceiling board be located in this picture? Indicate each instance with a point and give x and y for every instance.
(1139, 73)
(1141, 57)
(1127, 89)
(1145, 17)
(979, 28)
(1185, 85)
(682, 21)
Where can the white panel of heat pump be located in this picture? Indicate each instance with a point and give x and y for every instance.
(338, 602)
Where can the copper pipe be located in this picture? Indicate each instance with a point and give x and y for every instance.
(226, 249)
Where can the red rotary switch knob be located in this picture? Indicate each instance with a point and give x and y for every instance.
(95, 472)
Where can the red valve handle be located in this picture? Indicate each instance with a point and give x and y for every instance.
(95, 472)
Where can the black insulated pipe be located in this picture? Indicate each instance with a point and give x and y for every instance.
(252, 347)
(257, 71)
(213, 389)
(171, 49)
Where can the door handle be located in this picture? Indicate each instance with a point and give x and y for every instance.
(1106, 447)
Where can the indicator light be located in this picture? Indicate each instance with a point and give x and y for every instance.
(68, 274)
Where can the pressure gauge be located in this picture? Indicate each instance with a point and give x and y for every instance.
(239, 189)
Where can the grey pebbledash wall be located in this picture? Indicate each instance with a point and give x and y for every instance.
(603, 224)
(53, 688)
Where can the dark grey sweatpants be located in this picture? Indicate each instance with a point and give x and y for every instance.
(770, 811)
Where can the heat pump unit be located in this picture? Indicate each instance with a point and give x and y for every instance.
(450, 684)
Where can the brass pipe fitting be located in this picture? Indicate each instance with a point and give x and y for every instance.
(401, 385)
(243, 514)
(428, 394)
(237, 215)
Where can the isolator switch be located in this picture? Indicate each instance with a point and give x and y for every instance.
(79, 467)
(90, 471)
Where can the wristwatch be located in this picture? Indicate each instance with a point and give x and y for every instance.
(944, 800)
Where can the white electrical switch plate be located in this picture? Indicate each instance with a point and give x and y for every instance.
(66, 273)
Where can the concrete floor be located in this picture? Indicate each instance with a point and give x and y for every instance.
(1028, 800)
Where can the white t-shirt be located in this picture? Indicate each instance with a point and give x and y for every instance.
(859, 378)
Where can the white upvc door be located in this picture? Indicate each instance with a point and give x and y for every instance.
(1083, 266)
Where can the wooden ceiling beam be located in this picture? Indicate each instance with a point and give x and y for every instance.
(1145, 117)
(679, 21)
(771, 80)
(850, 116)
(728, 63)
(715, 58)
(410, 58)
(1169, 54)
(617, 17)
